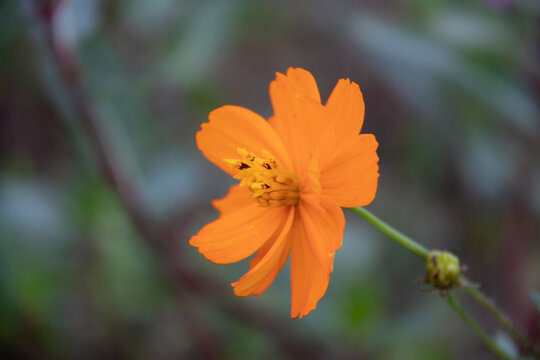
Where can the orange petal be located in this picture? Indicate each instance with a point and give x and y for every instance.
(300, 120)
(311, 185)
(271, 259)
(231, 127)
(351, 176)
(308, 280)
(236, 199)
(346, 109)
(323, 224)
(303, 83)
(237, 235)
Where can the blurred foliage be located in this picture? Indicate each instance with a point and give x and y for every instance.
(452, 94)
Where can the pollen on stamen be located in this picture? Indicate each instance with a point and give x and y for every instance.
(270, 184)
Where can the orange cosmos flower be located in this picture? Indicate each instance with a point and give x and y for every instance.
(295, 171)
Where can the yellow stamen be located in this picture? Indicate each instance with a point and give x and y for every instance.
(271, 184)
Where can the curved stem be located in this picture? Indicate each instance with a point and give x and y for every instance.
(476, 293)
(477, 329)
(499, 314)
(392, 232)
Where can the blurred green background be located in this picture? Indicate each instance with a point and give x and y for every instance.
(452, 92)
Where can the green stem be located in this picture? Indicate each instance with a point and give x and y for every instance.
(503, 319)
(393, 233)
(476, 293)
(477, 329)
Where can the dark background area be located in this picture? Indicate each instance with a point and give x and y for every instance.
(95, 261)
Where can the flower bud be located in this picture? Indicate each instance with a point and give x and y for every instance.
(443, 270)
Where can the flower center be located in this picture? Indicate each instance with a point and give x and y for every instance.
(271, 184)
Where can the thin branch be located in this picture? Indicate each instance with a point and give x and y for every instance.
(503, 319)
(477, 329)
(476, 293)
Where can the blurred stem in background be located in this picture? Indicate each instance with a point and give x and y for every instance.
(477, 328)
(501, 316)
(461, 281)
(70, 98)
